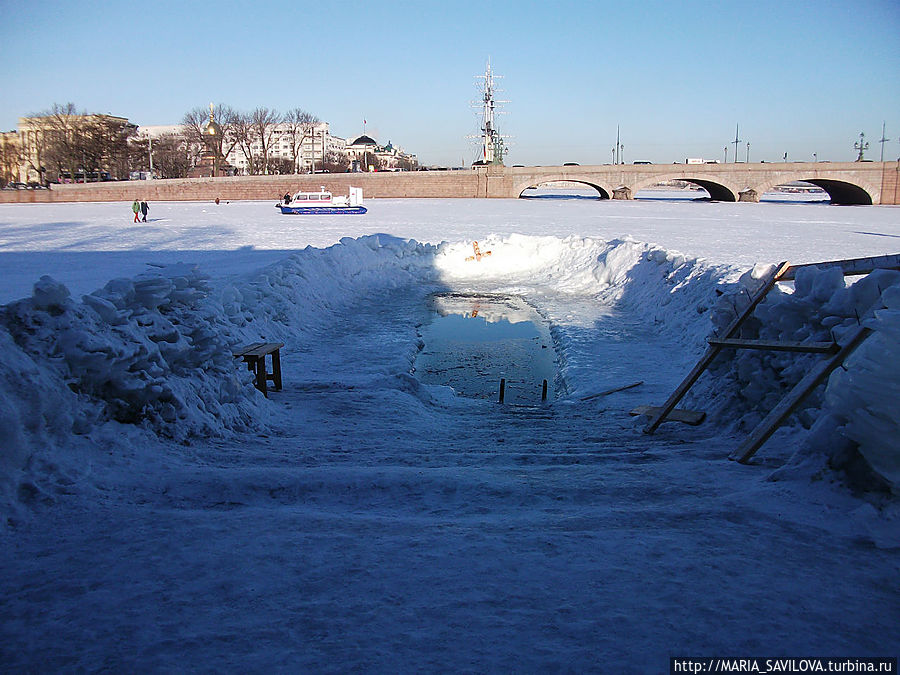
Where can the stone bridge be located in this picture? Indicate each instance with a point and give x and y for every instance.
(846, 182)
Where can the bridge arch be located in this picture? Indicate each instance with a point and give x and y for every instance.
(718, 189)
(840, 191)
(605, 191)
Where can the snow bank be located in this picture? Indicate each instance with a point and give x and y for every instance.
(302, 292)
(858, 410)
(863, 401)
(659, 286)
(149, 351)
(154, 351)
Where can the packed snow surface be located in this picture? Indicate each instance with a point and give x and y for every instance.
(160, 514)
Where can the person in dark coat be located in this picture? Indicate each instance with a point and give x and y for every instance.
(287, 197)
(144, 209)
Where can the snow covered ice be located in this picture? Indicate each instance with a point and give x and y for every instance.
(160, 514)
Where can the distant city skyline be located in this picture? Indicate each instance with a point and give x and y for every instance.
(800, 78)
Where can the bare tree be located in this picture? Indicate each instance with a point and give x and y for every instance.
(192, 124)
(227, 117)
(264, 123)
(171, 157)
(280, 166)
(59, 138)
(103, 143)
(78, 142)
(299, 125)
(245, 135)
(336, 162)
(408, 163)
(192, 130)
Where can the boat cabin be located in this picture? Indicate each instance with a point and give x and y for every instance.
(321, 196)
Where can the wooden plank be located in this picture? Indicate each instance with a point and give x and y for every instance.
(692, 417)
(713, 350)
(241, 351)
(766, 345)
(789, 403)
(261, 380)
(276, 370)
(613, 390)
(262, 349)
(851, 267)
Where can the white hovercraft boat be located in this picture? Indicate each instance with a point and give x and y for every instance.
(323, 202)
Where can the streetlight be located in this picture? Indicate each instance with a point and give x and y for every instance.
(726, 154)
(785, 157)
(815, 157)
(861, 145)
(150, 153)
(748, 152)
(614, 155)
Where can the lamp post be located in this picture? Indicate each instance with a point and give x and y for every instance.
(150, 153)
(785, 157)
(861, 146)
(815, 157)
(748, 152)
(726, 154)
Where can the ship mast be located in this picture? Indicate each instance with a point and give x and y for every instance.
(492, 147)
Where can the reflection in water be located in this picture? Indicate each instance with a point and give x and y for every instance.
(475, 340)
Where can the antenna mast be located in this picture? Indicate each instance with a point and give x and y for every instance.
(883, 140)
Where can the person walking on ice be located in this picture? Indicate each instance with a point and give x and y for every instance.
(144, 209)
(136, 207)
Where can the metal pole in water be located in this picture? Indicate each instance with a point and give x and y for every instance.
(502, 388)
(544, 391)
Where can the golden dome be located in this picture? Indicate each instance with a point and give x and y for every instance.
(212, 128)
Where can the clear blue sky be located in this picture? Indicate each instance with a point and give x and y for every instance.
(799, 77)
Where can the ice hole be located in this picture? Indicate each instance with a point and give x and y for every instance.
(474, 341)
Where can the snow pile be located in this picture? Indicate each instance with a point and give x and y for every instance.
(302, 292)
(149, 351)
(859, 407)
(862, 402)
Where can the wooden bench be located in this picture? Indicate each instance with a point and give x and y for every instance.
(255, 357)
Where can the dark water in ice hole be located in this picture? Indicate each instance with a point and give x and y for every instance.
(475, 340)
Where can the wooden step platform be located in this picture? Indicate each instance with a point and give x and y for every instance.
(692, 417)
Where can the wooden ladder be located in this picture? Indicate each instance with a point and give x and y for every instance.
(837, 352)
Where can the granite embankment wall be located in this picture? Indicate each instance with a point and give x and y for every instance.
(374, 185)
(847, 182)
